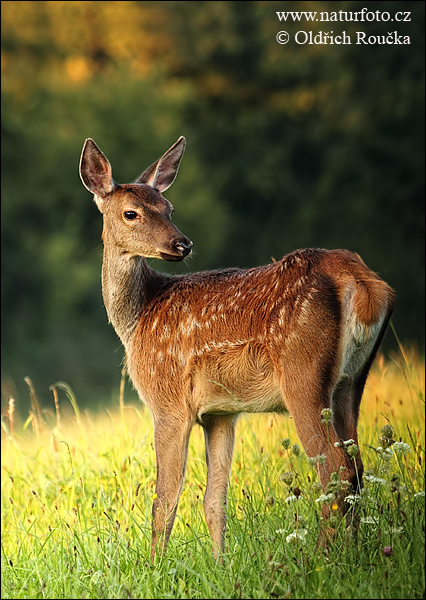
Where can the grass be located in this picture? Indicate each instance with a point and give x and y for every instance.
(77, 490)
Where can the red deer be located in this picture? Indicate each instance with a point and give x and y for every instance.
(299, 334)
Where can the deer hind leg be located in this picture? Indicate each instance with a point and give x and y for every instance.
(219, 433)
(305, 400)
(345, 405)
(171, 436)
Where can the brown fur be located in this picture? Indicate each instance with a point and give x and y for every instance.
(299, 334)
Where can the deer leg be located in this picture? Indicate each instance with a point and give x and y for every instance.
(219, 433)
(317, 436)
(345, 405)
(346, 401)
(171, 446)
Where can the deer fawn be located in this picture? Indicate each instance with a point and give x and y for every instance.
(299, 334)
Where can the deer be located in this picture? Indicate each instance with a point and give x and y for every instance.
(297, 335)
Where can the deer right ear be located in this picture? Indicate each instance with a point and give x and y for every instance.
(95, 172)
(161, 174)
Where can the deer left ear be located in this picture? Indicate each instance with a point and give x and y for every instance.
(161, 174)
(96, 172)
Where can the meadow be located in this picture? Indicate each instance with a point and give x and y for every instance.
(77, 490)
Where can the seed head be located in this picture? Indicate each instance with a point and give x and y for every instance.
(352, 450)
(287, 477)
(387, 430)
(326, 415)
(296, 449)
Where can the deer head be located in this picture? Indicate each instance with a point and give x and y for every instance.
(137, 217)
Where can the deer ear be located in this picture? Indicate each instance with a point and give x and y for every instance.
(161, 174)
(95, 171)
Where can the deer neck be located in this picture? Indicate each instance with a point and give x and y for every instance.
(128, 285)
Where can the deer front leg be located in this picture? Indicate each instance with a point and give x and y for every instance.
(219, 433)
(171, 437)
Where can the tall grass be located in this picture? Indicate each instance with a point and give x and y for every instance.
(77, 492)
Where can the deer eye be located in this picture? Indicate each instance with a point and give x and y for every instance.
(130, 215)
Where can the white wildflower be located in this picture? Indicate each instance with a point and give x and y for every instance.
(291, 499)
(373, 479)
(325, 498)
(419, 495)
(300, 534)
(352, 499)
(370, 520)
(401, 448)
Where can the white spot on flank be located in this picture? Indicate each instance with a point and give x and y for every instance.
(166, 333)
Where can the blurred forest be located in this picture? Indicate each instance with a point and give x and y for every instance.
(288, 146)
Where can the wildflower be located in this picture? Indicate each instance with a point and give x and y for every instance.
(386, 436)
(387, 551)
(326, 415)
(291, 499)
(419, 495)
(387, 430)
(286, 443)
(287, 477)
(300, 534)
(352, 499)
(319, 458)
(387, 454)
(401, 448)
(352, 450)
(370, 520)
(325, 498)
(296, 492)
(344, 444)
(373, 479)
(334, 485)
(296, 449)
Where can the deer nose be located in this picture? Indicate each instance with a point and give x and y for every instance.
(184, 246)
